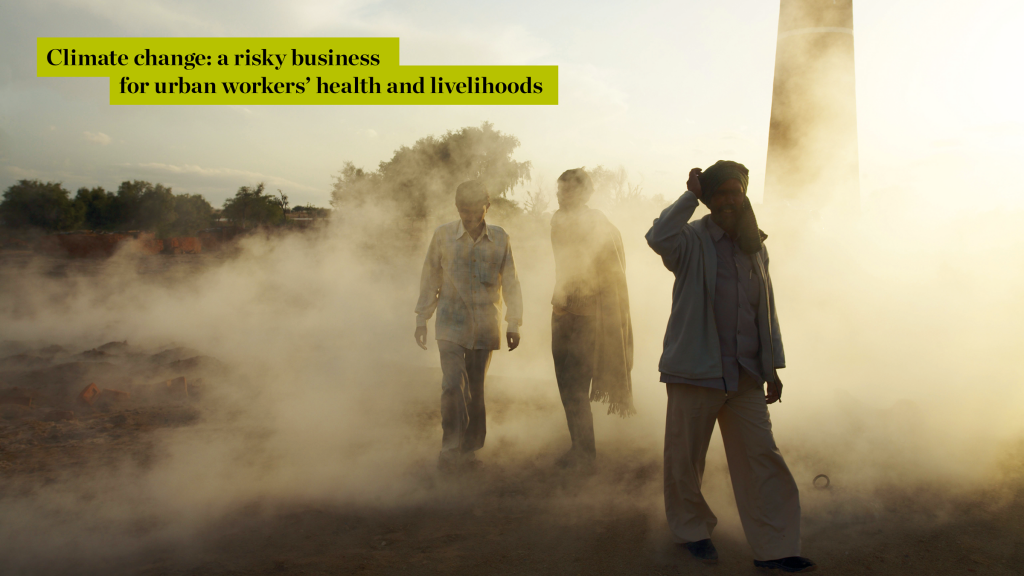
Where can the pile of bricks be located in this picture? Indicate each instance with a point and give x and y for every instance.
(92, 395)
(83, 244)
(102, 244)
(183, 245)
(147, 243)
(19, 403)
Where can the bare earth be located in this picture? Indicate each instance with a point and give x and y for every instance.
(508, 517)
(516, 514)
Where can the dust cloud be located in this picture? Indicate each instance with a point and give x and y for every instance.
(902, 387)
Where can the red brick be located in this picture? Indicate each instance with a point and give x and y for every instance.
(89, 394)
(88, 244)
(183, 245)
(117, 395)
(153, 246)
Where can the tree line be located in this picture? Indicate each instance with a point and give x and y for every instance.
(416, 185)
(138, 205)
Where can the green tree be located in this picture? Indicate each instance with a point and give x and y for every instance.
(32, 204)
(156, 209)
(312, 211)
(127, 202)
(252, 207)
(421, 180)
(192, 214)
(141, 205)
(98, 207)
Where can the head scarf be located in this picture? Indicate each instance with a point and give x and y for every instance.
(748, 236)
(718, 173)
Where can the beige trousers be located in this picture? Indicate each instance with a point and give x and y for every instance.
(766, 494)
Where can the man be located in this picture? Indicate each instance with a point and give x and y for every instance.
(468, 271)
(721, 345)
(591, 333)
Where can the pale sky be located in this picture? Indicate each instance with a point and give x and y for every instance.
(655, 87)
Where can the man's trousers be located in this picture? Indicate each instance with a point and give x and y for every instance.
(573, 345)
(766, 494)
(463, 418)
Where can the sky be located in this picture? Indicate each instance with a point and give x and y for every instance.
(653, 87)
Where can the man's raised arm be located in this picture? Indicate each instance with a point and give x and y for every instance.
(669, 235)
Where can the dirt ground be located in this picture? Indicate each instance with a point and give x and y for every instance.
(515, 514)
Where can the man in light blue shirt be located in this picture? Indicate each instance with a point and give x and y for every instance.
(468, 272)
(722, 344)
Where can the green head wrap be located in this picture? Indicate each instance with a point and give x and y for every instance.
(718, 173)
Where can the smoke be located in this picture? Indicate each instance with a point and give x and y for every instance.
(323, 396)
(899, 334)
(898, 311)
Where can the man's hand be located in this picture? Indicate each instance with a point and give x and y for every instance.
(693, 184)
(774, 391)
(421, 336)
(513, 340)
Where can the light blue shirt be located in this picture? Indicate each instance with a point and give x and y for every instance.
(466, 280)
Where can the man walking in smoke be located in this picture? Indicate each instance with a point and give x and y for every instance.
(721, 345)
(467, 272)
(591, 333)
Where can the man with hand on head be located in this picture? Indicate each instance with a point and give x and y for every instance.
(468, 271)
(722, 345)
(591, 333)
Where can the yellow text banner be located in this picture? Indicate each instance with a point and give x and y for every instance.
(293, 71)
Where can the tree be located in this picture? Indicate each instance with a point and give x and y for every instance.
(311, 211)
(99, 208)
(355, 186)
(251, 207)
(32, 204)
(126, 203)
(138, 205)
(613, 186)
(420, 181)
(536, 202)
(192, 214)
(156, 209)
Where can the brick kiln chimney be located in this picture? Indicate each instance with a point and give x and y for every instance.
(812, 138)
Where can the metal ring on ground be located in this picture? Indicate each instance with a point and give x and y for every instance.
(815, 482)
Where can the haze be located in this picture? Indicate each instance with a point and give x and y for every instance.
(654, 87)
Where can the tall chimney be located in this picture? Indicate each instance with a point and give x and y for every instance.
(812, 138)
